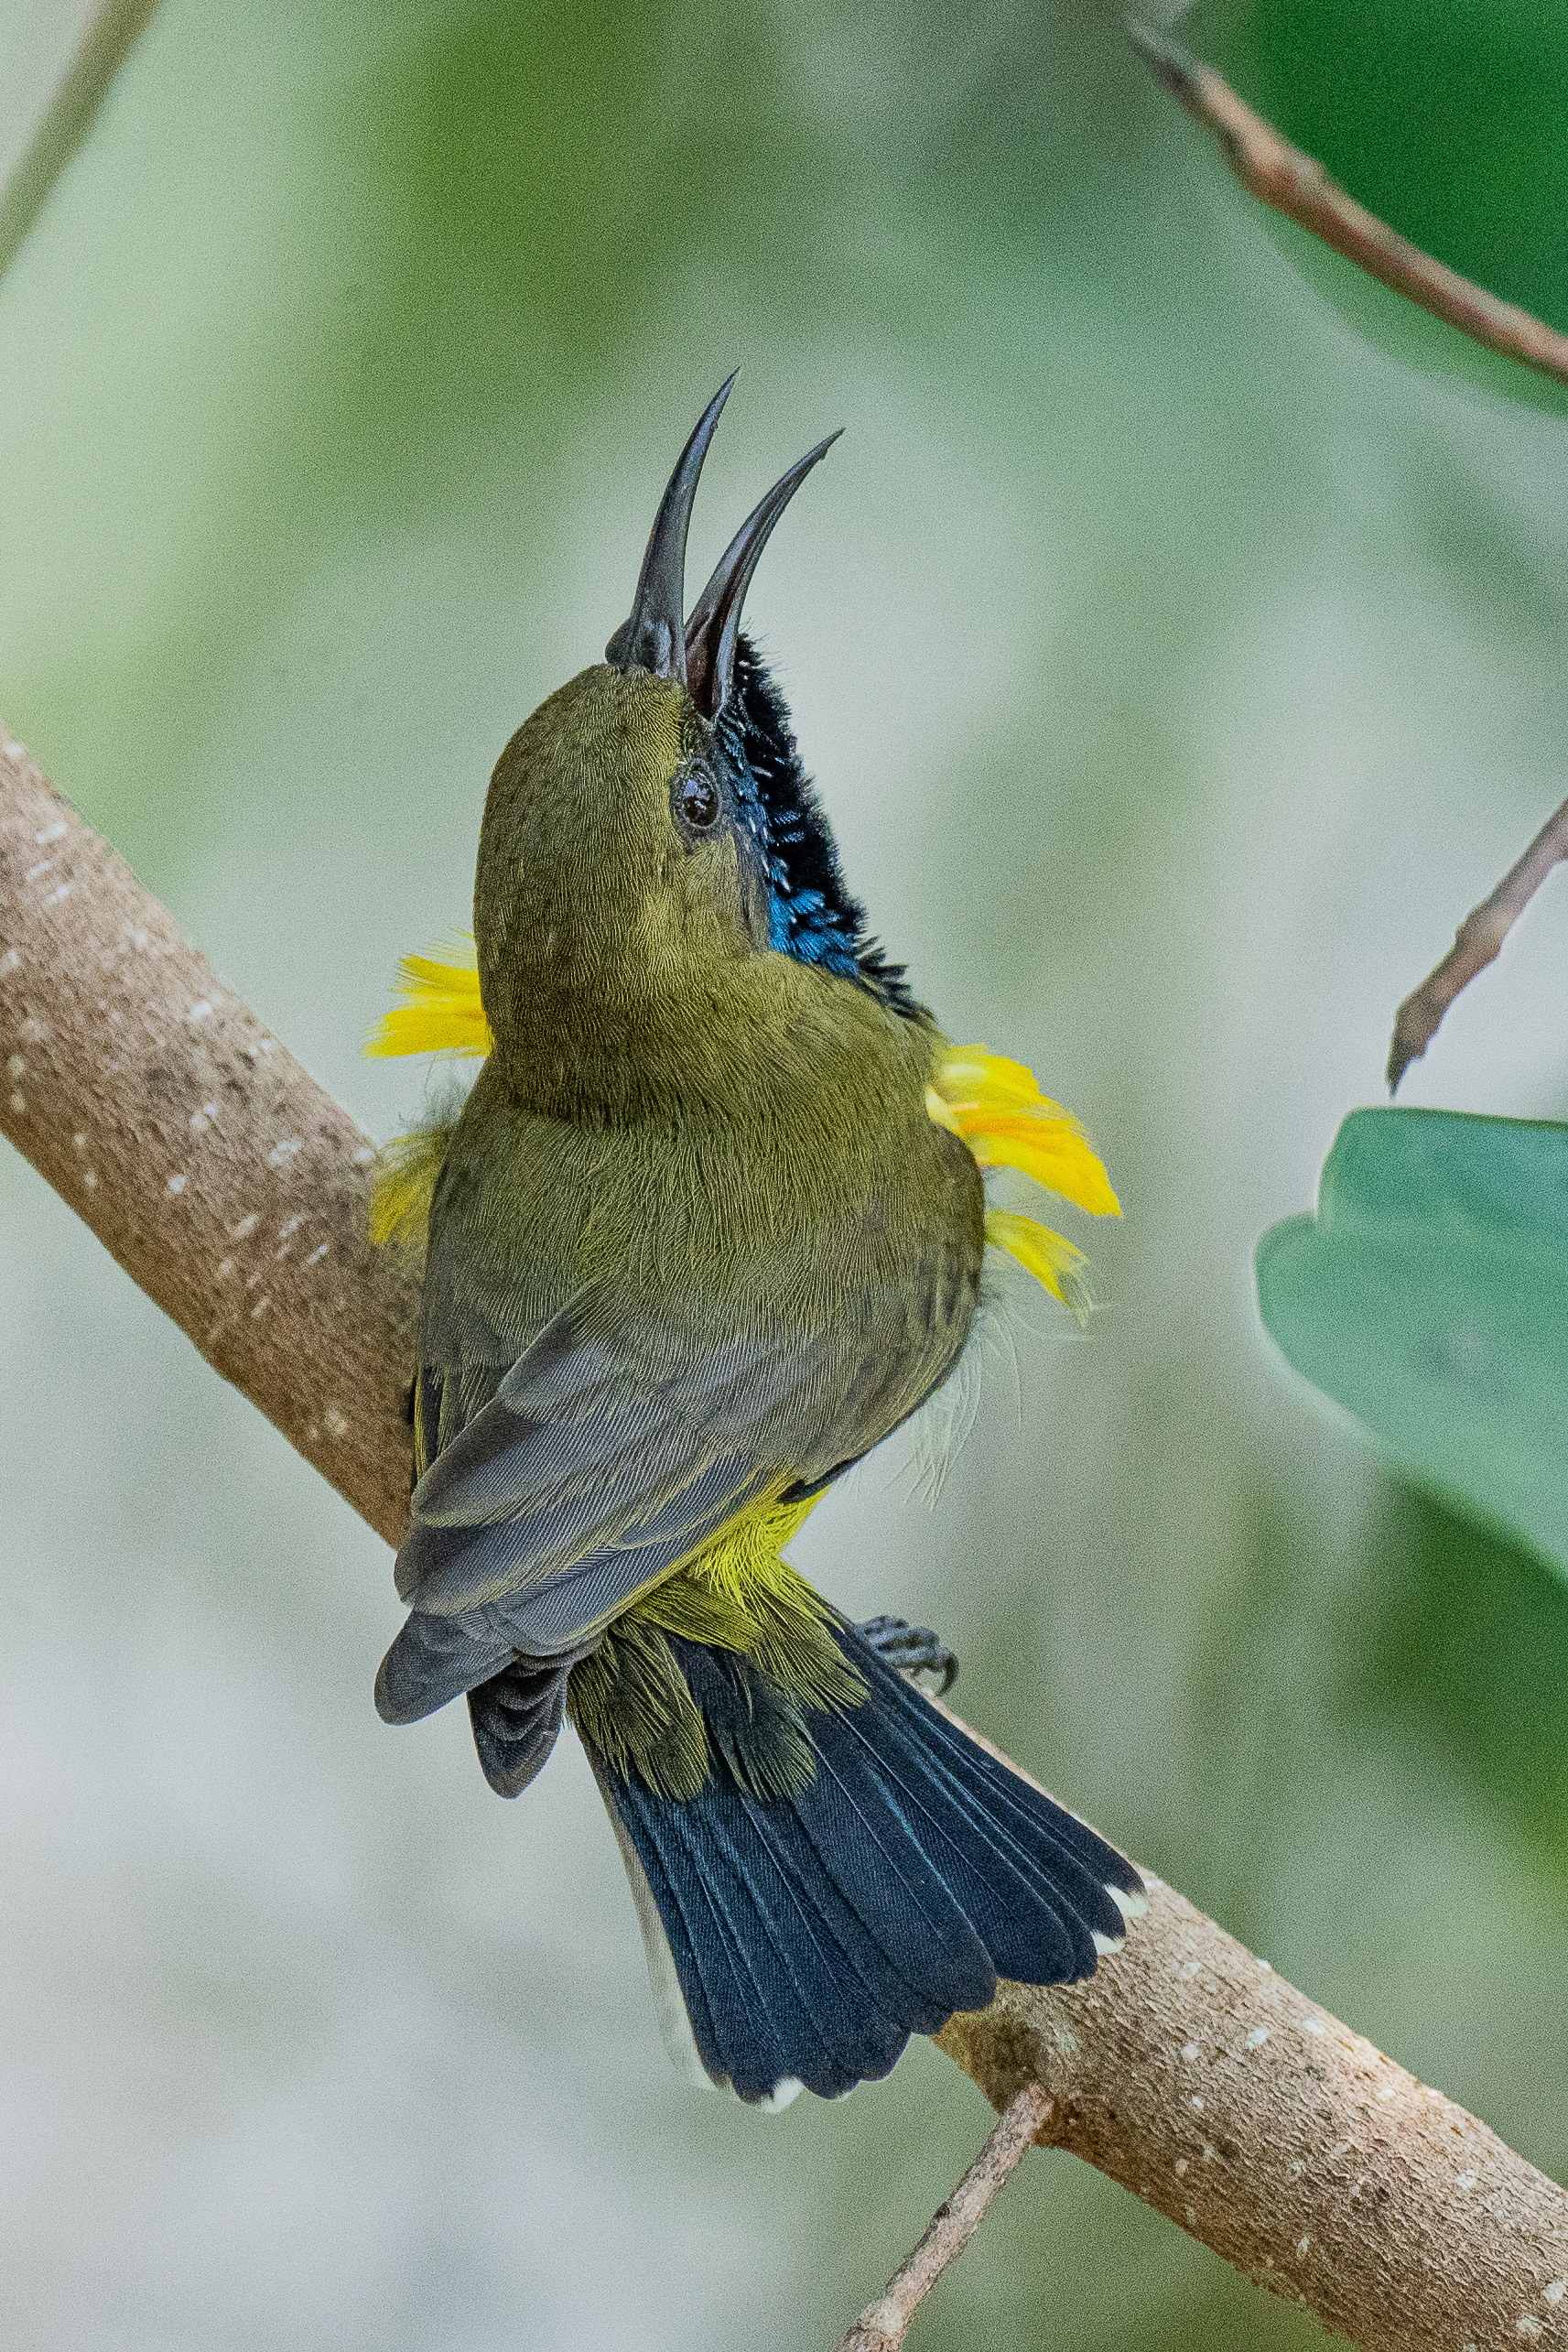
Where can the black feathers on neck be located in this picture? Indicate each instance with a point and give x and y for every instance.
(814, 915)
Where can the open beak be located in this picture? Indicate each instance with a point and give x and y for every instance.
(715, 623)
(702, 653)
(650, 636)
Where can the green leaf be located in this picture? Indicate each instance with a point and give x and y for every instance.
(1428, 1296)
(1447, 119)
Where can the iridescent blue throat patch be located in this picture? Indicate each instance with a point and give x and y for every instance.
(813, 916)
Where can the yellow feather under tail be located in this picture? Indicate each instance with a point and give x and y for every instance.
(632, 1703)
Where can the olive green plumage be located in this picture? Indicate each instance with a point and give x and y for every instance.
(708, 1228)
(717, 1162)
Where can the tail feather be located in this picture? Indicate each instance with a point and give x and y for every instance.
(1036, 1815)
(752, 1920)
(845, 1825)
(861, 1990)
(877, 1862)
(812, 1934)
(995, 1902)
(842, 1978)
(809, 1994)
(747, 2014)
(838, 1976)
(1022, 1886)
(1017, 1924)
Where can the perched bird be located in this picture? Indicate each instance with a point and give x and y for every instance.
(709, 1226)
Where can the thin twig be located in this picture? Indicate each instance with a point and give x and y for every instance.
(235, 1191)
(1282, 176)
(1475, 944)
(1294, 184)
(106, 40)
(884, 2325)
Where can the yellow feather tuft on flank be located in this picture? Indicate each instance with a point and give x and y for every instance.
(1049, 1257)
(404, 1184)
(1054, 1151)
(971, 1074)
(996, 1107)
(440, 1011)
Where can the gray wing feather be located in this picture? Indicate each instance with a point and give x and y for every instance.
(593, 1447)
(610, 1450)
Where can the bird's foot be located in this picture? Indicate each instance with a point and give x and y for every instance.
(911, 1650)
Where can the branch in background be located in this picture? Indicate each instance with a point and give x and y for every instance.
(1270, 168)
(884, 2325)
(103, 46)
(1476, 943)
(234, 1190)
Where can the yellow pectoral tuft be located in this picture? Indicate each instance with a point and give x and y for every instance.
(403, 1184)
(440, 1011)
(997, 1108)
(969, 1074)
(1049, 1257)
(1054, 1151)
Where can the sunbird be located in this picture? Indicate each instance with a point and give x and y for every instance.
(710, 1226)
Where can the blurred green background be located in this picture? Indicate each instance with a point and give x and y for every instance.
(1178, 665)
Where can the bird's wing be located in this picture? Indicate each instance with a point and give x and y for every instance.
(617, 1445)
(608, 1452)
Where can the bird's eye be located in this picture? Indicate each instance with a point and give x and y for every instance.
(698, 799)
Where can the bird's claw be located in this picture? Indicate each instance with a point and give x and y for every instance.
(911, 1650)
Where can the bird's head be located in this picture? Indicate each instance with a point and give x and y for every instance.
(651, 822)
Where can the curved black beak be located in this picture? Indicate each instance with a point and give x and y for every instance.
(650, 636)
(715, 623)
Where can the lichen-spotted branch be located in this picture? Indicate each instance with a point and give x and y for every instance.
(235, 1191)
(225, 1181)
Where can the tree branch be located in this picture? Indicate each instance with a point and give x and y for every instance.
(234, 1190)
(1476, 942)
(884, 2325)
(228, 1185)
(1294, 184)
(1212, 2089)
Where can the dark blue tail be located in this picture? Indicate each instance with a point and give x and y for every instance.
(811, 1935)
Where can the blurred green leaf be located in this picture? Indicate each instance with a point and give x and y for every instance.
(1448, 120)
(1428, 1296)
(1458, 1634)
